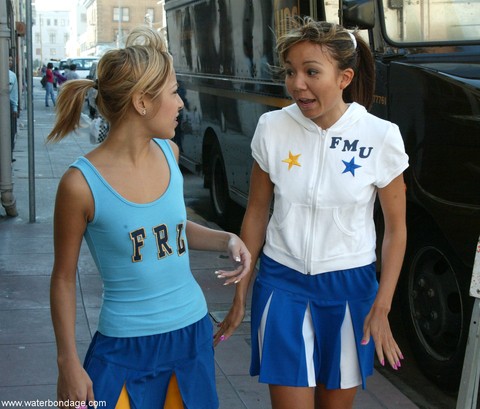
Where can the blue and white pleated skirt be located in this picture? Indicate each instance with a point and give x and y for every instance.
(145, 365)
(307, 329)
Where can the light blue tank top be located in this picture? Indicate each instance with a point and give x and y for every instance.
(142, 255)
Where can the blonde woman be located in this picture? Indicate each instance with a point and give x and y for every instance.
(125, 197)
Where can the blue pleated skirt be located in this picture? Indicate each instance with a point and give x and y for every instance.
(307, 329)
(146, 364)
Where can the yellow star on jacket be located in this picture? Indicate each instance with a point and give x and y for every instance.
(292, 160)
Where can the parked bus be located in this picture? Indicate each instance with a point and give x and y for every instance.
(428, 82)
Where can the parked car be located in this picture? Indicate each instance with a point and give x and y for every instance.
(62, 66)
(83, 64)
(55, 63)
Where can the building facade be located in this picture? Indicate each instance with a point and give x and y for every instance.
(51, 33)
(89, 27)
(108, 22)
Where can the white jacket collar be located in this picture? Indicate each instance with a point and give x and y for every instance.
(347, 120)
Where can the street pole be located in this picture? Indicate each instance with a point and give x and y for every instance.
(39, 18)
(31, 139)
(120, 17)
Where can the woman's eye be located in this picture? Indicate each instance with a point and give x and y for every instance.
(312, 72)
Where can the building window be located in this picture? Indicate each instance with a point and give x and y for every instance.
(66, 37)
(55, 22)
(48, 21)
(37, 38)
(121, 14)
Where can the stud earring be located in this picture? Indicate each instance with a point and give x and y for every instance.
(144, 111)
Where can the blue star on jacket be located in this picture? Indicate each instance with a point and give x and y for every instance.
(350, 166)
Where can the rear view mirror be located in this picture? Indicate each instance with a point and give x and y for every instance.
(358, 14)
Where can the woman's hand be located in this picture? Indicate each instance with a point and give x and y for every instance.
(240, 255)
(392, 199)
(231, 322)
(377, 326)
(74, 384)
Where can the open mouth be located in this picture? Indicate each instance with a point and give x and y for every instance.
(305, 103)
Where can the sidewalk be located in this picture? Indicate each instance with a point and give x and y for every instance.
(28, 369)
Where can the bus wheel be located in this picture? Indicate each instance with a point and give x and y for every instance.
(435, 306)
(219, 195)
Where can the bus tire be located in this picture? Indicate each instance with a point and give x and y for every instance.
(435, 305)
(219, 193)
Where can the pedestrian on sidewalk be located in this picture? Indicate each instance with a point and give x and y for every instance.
(72, 74)
(59, 79)
(49, 84)
(318, 312)
(14, 111)
(125, 197)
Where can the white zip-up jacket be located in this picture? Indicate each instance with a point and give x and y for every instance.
(326, 183)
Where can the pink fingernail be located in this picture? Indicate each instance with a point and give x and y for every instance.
(222, 338)
(382, 362)
(364, 342)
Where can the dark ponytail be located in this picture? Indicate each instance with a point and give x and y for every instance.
(362, 87)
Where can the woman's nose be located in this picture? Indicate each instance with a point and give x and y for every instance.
(298, 82)
(181, 104)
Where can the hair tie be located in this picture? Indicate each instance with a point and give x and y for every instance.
(95, 84)
(354, 40)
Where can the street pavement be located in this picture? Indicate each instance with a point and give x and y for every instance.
(28, 370)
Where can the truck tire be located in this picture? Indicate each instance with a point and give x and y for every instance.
(435, 304)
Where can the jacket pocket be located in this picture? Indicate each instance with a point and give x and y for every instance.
(339, 231)
(287, 230)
